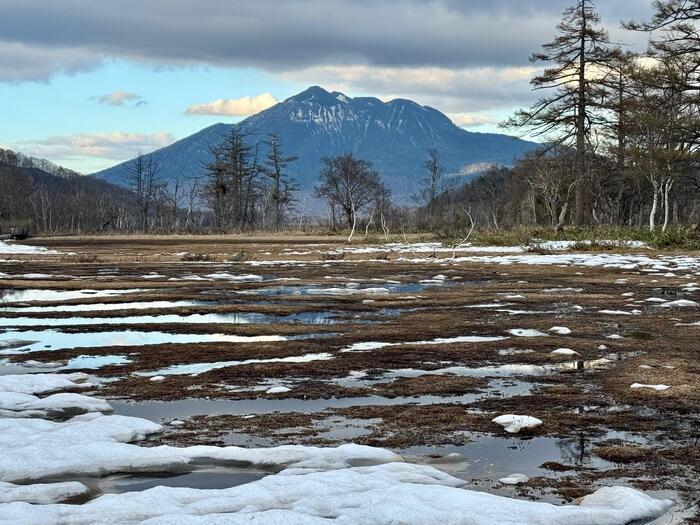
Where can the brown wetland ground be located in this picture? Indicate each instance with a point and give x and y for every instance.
(264, 341)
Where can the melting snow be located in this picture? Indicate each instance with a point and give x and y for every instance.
(41, 493)
(514, 424)
(514, 479)
(681, 303)
(372, 495)
(195, 369)
(564, 351)
(42, 383)
(658, 388)
(560, 330)
(8, 248)
(524, 332)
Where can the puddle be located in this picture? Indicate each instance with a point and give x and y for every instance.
(95, 361)
(321, 318)
(339, 428)
(195, 369)
(487, 458)
(99, 307)
(57, 340)
(353, 289)
(12, 295)
(185, 408)
(201, 479)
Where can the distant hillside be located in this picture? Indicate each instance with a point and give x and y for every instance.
(19, 159)
(315, 124)
(56, 202)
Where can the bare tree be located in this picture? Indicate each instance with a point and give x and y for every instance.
(230, 191)
(142, 176)
(283, 187)
(348, 183)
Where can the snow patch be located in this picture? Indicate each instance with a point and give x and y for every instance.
(658, 388)
(514, 424)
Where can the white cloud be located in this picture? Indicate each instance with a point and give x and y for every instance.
(118, 98)
(471, 120)
(235, 107)
(116, 145)
(463, 90)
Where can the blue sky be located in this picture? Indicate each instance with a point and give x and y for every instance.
(67, 104)
(89, 84)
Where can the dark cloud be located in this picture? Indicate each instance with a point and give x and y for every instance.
(72, 35)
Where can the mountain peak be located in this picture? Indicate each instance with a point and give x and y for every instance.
(315, 95)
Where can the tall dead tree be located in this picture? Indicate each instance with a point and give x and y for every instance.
(283, 186)
(231, 175)
(143, 177)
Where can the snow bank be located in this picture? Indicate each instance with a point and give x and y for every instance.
(94, 444)
(374, 495)
(9, 248)
(347, 485)
(41, 492)
(41, 383)
(61, 403)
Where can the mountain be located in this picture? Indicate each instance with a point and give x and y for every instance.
(21, 160)
(315, 124)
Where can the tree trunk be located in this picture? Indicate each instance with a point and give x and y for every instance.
(667, 192)
(581, 187)
(654, 206)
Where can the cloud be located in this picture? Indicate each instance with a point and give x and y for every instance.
(116, 145)
(20, 61)
(236, 107)
(119, 98)
(283, 36)
(471, 120)
(450, 90)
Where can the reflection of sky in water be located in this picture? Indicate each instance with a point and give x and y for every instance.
(96, 361)
(218, 479)
(184, 408)
(333, 290)
(10, 295)
(56, 340)
(213, 318)
(136, 305)
(491, 458)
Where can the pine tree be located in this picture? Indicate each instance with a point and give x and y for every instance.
(568, 116)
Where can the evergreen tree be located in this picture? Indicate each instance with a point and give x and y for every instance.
(568, 115)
